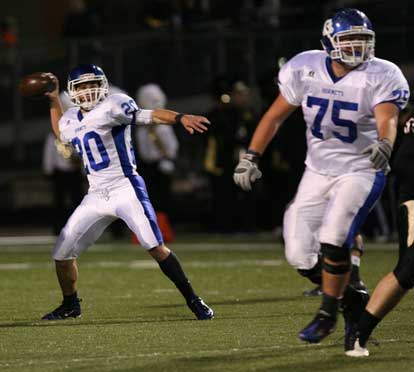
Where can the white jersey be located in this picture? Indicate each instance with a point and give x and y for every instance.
(339, 112)
(102, 137)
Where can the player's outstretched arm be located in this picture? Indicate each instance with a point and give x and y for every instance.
(56, 110)
(247, 170)
(191, 123)
(269, 124)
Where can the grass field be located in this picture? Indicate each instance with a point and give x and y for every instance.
(134, 320)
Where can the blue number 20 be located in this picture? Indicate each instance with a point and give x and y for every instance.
(87, 138)
(336, 110)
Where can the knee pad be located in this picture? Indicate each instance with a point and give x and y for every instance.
(336, 254)
(404, 271)
(314, 274)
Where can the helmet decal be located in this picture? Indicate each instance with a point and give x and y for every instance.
(348, 37)
(328, 28)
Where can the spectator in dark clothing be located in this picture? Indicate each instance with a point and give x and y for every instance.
(62, 166)
(234, 121)
(81, 21)
(8, 43)
(284, 163)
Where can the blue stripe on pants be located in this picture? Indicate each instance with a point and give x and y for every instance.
(375, 193)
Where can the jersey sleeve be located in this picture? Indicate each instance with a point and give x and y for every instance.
(289, 83)
(63, 137)
(392, 88)
(123, 109)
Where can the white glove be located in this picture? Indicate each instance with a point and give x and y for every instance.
(247, 171)
(379, 154)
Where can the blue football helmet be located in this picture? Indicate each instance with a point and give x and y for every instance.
(348, 37)
(87, 97)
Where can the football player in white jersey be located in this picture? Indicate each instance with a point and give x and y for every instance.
(351, 102)
(99, 128)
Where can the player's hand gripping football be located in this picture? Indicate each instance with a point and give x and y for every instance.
(193, 123)
(54, 94)
(246, 171)
(379, 154)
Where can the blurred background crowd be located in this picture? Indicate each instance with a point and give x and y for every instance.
(211, 57)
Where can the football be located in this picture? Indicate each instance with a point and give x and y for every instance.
(36, 85)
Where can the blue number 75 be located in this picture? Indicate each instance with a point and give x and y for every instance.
(323, 104)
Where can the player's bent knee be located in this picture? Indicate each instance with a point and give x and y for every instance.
(336, 260)
(405, 278)
(314, 274)
(64, 263)
(298, 256)
(159, 253)
(404, 271)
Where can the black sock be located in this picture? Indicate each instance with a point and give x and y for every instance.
(366, 325)
(69, 300)
(355, 274)
(171, 267)
(329, 305)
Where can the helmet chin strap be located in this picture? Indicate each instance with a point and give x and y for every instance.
(343, 63)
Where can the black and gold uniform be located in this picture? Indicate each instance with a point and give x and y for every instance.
(403, 167)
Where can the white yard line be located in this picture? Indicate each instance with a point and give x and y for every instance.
(150, 356)
(44, 243)
(144, 264)
(27, 240)
(168, 354)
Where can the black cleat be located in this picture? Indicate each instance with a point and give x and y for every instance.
(200, 309)
(65, 311)
(359, 285)
(353, 305)
(321, 326)
(317, 291)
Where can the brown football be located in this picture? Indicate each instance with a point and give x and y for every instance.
(36, 85)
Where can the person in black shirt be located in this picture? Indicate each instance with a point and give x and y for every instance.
(393, 286)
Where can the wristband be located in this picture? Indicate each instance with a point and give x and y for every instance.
(178, 118)
(253, 156)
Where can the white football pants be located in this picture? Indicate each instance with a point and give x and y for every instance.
(128, 201)
(327, 210)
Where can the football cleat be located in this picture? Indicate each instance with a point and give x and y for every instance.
(350, 333)
(357, 350)
(65, 311)
(353, 305)
(200, 309)
(359, 285)
(321, 326)
(317, 291)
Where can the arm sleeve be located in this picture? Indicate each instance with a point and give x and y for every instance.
(289, 84)
(392, 88)
(144, 117)
(63, 138)
(123, 109)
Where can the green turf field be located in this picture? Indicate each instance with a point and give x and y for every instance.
(134, 319)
